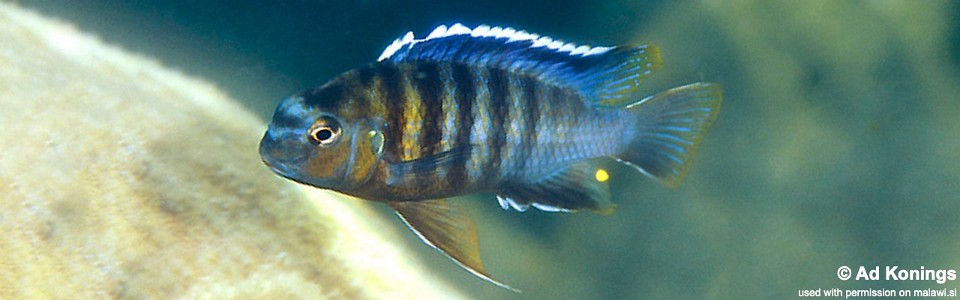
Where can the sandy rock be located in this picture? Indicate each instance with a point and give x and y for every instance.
(121, 179)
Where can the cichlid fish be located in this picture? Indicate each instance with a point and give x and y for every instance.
(466, 111)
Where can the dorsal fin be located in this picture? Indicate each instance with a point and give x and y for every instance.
(606, 76)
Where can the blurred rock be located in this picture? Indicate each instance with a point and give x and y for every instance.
(121, 179)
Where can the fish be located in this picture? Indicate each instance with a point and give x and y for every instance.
(490, 110)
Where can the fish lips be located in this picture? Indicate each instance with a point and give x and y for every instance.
(285, 156)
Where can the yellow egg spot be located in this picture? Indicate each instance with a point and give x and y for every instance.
(602, 175)
(372, 133)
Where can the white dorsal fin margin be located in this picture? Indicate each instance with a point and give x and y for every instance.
(438, 32)
(542, 41)
(512, 35)
(458, 29)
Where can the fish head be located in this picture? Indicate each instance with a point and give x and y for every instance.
(316, 143)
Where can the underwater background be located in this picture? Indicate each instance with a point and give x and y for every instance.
(838, 143)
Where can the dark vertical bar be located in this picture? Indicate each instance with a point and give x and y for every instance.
(327, 97)
(466, 92)
(364, 76)
(426, 80)
(531, 110)
(361, 83)
(394, 103)
(497, 140)
(429, 87)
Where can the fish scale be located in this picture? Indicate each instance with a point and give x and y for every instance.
(487, 110)
(449, 107)
(514, 127)
(412, 111)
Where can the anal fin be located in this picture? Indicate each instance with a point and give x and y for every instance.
(447, 228)
(581, 185)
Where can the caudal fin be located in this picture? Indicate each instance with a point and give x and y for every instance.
(670, 126)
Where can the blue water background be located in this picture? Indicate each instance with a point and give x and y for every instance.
(838, 143)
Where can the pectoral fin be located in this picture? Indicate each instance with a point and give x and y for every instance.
(409, 171)
(445, 227)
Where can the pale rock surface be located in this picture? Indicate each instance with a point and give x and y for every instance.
(121, 179)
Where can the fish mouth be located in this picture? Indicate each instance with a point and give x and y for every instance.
(279, 169)
(288, 176)
(307, 181)
(287, 173)
(270, 151)
(287, 158)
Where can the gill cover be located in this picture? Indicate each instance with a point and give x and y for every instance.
(346, 164)
(366, 151)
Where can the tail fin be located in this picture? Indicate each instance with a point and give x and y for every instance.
(669, 128)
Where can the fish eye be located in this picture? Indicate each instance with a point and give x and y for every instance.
(324, 132)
